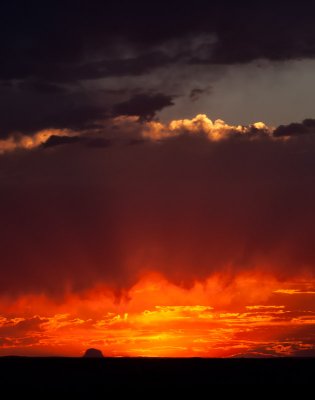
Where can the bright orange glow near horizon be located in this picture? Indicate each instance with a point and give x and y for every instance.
(251, 315)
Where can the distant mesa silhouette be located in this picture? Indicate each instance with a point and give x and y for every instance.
(93, 353)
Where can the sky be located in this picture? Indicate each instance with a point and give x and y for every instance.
(157, 166)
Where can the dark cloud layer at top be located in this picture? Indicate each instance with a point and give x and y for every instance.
(53, 40)
(49, 49)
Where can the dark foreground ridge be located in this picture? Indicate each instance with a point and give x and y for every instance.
(86, 375)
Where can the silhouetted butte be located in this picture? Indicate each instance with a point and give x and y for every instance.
(93, 353)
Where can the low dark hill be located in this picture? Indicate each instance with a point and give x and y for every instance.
(93, 353)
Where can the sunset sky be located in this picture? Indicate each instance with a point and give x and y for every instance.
(157, 178)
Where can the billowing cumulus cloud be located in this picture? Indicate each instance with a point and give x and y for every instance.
(125, 128)
(201, 125)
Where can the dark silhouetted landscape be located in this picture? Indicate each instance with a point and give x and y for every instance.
(80, 375)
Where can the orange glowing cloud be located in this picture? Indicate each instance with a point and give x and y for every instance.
(146, 324)
(20, 141)
(214, 130)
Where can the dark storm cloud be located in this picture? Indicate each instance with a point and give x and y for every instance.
(41, 86)
(138, 65)
(307, 127)
(59, 140)
(143, 105)
(186, 207)
(74, 40)
(25, 113)
(197, 92)
(55, 140)
(54, 40)
(49, 50)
